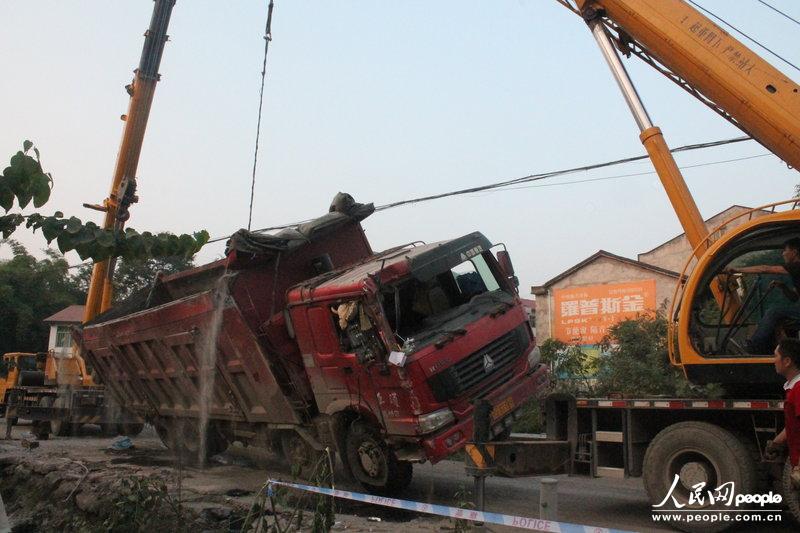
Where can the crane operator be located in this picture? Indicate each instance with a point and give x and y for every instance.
(762, 341)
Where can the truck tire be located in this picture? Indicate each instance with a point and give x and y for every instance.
(31, 378)
(373, 464)
(60, 427)
(109, 430)
(182, 437)
(696, 452)
(306, 462)
(41, 428)
(791, 496)
(130, 429)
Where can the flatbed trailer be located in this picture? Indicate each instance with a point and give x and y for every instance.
(62, 411)
(699, 440)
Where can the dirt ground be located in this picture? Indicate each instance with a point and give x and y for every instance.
(80, 484)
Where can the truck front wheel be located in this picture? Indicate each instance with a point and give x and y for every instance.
(373, 463)
(692, 453)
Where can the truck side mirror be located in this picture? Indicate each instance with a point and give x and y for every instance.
(504, 259)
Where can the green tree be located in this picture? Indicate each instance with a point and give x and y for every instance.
(636, 362)
(32, 289)
(24, 181)
(571, 369)
(135, 274)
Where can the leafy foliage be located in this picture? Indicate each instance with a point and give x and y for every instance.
(131, 275)
(142, 504)
(633, 362)
(30, 291)
(572, 369)
(25, 180)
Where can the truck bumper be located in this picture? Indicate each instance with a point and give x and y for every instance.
(506, 403)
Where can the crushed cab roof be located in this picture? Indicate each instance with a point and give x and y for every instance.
(423, 261)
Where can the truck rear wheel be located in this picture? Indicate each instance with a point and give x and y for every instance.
(182, 437)
(791, 496)
(306, 462)
(373, 463)
(696, 452)
(130, 429)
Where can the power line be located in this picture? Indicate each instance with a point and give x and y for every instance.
(635, 174)
(267, 40)
(517, 181)
(781, 12)
(547, 175)
(740, 32)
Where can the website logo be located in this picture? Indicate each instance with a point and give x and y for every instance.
(700, 504)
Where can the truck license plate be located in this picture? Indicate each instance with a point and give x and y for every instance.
(502, 409)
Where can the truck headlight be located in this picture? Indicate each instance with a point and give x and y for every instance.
(435, 420)
(534, 357)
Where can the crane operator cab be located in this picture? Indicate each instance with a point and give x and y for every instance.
(739, 299)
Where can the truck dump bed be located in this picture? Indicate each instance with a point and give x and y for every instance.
(218, 331)
(154, 361)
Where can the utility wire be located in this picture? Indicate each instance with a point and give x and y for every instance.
(740, 32)
(517, 181)
(547, 175)
(781, 12)
(267, 40)
(635, 174)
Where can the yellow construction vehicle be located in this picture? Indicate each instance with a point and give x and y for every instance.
(21, 369)
(713, 313)
(71, 397)
(679, 444)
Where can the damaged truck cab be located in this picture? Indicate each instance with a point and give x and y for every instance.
(306, 339)
(405, 342)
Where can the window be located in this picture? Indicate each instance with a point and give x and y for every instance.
(413, 305)
(63, 337)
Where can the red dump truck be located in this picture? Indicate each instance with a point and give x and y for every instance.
(307, 339)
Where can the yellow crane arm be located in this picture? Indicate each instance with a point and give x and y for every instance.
(123, 183)
(759, 98)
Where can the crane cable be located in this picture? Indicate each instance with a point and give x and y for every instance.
(267, 40)
(743, 34)
(781, 12)
(506, 184)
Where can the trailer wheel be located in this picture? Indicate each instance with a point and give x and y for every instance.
(41, 428)
(306, 462)
(791, 496)
(696, 452)
(373, 463)
(54, 426)
(60, 427)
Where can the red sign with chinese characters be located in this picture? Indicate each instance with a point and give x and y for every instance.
(582, 315)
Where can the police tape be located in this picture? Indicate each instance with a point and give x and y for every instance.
(534, 524)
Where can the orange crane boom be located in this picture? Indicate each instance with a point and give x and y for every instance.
(757, 97)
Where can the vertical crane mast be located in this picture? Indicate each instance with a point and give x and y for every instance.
(123, 186)
(653, 140)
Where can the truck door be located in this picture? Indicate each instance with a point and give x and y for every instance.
(345, 344)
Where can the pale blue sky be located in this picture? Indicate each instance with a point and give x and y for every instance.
(385, 100)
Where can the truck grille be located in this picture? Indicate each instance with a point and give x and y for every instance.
(483, 365)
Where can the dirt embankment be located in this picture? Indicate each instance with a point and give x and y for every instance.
(64, 494)
(79, 484)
